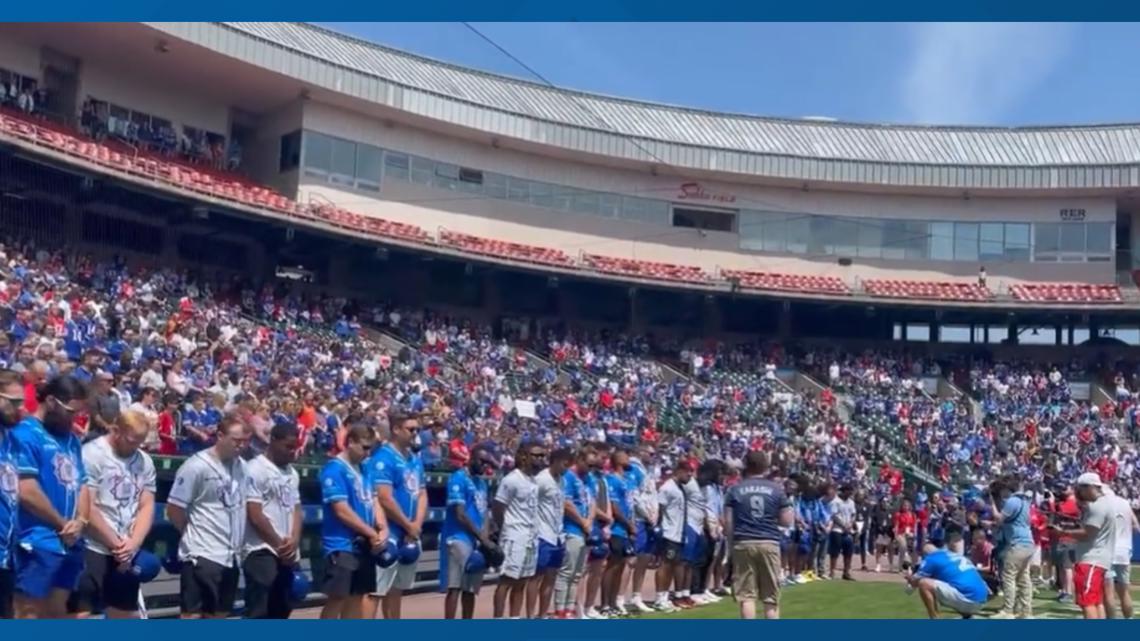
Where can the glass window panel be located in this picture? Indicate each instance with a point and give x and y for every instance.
(1045, 238)
(772, 231)
(870, 238)
(845, 236)
(423, 170)
(369, 163)
(396, 166)
(317, 151)
(343, 159)
(998, 333)
(991, 242)
(1017, 242)
(495, 186)
(586, 202)
(564, 197)
(541, 194)
(518, 190)
(446, 176)
(917, 240)
(1099, 238)
(942, 241)
(609, 205)
(966, 241)
(1073, 238)
(822, 240)
(797, 233)
(918, 332)
(895, 237)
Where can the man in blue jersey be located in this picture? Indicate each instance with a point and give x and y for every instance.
(351, 531)
(642, 481)
(396, 474)
(53, 502)
(11, 399)
(623, 532)
(579, 514)
(465, 530)
(949, 580)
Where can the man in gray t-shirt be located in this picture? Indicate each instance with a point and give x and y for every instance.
(1095, 541)
(207, 506)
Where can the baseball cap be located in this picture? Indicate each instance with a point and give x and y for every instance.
(1091, 479)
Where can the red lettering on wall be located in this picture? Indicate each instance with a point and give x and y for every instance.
(695, 191)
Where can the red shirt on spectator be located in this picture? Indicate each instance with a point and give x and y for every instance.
(166, 439)
(30, 402)
(904, 523)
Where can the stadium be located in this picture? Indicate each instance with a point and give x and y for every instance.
(911, 311)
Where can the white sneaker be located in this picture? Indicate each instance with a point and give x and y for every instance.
(878, 568)
(799, 579)
(1003, 614)
(699, 599)
(710, 597)
(664, 606)
(637, 604)
(593, 613)
(621, 610)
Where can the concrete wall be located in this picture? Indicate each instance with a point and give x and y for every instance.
(20, 57)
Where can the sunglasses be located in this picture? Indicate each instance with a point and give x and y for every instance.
(18, 401)
(66, 408)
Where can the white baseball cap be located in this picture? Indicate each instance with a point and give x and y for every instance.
(1091, 479)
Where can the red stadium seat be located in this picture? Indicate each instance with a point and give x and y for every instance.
(505, 249)
(645, 269)
(797, 283)
(1066, 293)
(928, 290)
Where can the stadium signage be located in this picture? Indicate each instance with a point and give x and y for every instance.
(696, 191)
(1072, 215)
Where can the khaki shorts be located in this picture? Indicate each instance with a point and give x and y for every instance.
(756, 571)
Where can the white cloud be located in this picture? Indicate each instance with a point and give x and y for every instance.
(974, 73)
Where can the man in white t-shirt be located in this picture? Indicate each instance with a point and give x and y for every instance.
(272, 536)
(122, 482)
(1125, 524)
(551, 545)
(1095, 541)
(671, 535)
(515, 506)
(841, 538)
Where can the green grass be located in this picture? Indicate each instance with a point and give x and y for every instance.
(863, 600)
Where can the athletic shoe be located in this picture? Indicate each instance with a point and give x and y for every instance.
(710, 596)
(700, 599)
(878, 568)
(848, 577)
(664, 606)
(594, 613)
(1064, 598)
(638, 605)
(721, 592)
(1003, 614)
(799, 579)
(683, 604)
(688, 600)
(621, 610)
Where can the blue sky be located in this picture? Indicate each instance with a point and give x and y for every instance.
(962, 73)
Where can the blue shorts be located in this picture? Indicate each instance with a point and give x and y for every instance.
(550, 556)
(646, 541)
(692, 547)
(40, 571)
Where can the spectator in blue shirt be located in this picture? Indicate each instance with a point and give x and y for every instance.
(1010, 509)
(949, 580)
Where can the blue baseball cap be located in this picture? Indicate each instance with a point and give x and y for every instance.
(146, 566)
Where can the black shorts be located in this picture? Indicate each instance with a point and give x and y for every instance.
(618, 547)
(102, 585)
(348, 574)
(7, 589)
(208, 588)
(268, 586)
(671, 550)
(840, 543)
(1064, 555)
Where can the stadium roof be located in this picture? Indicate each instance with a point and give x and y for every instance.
(1036, 158)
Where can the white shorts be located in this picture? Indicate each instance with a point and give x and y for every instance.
(949, 596)
(1121, 574)
(520, 558)
(397, 575)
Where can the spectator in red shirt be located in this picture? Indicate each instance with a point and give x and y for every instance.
(905, 525)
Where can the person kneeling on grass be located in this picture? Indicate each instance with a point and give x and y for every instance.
(950, 580)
